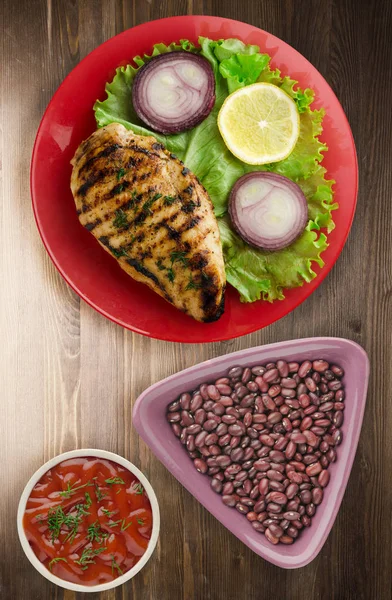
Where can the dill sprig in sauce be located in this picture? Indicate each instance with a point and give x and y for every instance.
(87, 557)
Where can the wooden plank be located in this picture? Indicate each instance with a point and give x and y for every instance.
(70, 378)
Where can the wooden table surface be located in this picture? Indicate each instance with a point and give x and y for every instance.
(69, 377)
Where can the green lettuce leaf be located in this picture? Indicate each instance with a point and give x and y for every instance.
(261, 274)
(224, 49)
(242, 69)
(253, 272)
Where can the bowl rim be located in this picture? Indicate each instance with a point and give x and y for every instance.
(220, 362)
(40, 567)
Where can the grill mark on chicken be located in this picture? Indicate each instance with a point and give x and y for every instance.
(141, 150)
(149, 231)
(110, 150)
(90, 226)
(192, 223)
(141, 269)
(199, 260)
(190, 207)
(207, 302)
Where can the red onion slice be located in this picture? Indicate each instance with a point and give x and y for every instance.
(268, 210)
(174, 91)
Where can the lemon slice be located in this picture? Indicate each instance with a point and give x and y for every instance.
(259, 123)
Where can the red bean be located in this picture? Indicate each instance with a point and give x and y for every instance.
(271, 537)
(291, 515)
(278, 498)
(174, 417)
(270, 375)
(216, 485)
(314, 469)
(282, 367)
(306, 423)
(193, 429)
(298, 438)
(304, 368)
(320, 366)
(323, 478)
(337, 437)
(274, 475)
(263, 487)
(274, 391)
(295, 477)
(317, 496)
(174, 406)
(277, 456)
(266, 439)
(235, 441)
(176, 428)
(200, 465)
(281, 444)
(311, 438)
(305, 496)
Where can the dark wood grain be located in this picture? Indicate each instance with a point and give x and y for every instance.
(69, 377)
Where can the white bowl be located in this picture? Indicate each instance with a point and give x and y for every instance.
(75, 587)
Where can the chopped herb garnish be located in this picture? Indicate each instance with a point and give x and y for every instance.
(121, 219)
(56, 560)
(120, 173)
(193, 285)
(118, 189)
(168, 200)
(81, 510)
(179, 257)
(139, 489)
(147, 205)
(99, 495)
(57, 520)
(140, 521)
(170, 274)
(71, 490)
(80, 513)
(114, 523)
(160, 265)
(115, 565)
(115, 481)
(107, 512)
(118, 252)
(123, 526)
(87, 557)
(95, 533)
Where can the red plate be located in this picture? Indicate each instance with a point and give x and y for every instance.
(87, 268)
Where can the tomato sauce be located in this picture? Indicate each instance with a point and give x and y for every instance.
(88, 520)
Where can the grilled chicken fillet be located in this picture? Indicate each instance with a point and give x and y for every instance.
(153, 215)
